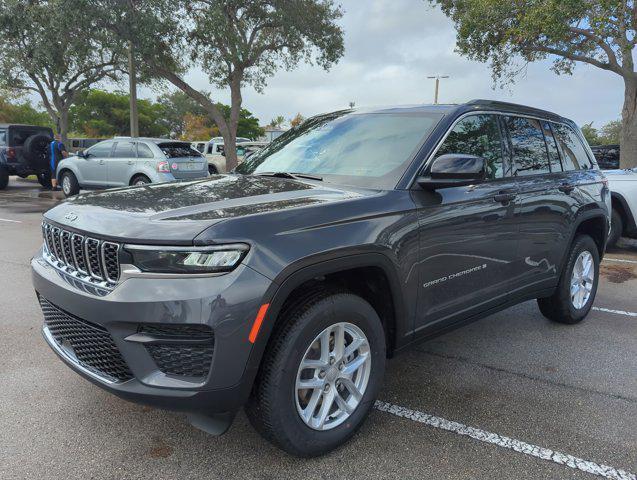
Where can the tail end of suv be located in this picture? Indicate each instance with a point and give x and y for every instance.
(23, 152)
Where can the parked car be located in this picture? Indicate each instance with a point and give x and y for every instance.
(344, 242)
(607, 156)
(214, 152)
(623, 187)
(23, 152)
(125, 161)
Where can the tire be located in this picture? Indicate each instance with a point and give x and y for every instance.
(140, 180)
(273, 408)
(44, 179)
(212, 170)
(561, 307)
(616, 228)
(34, 150)
(69, 183)
(4, 178)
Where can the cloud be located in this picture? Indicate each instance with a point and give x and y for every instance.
(392, 46)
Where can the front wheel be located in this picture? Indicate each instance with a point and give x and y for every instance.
(575, 292)
(320, 375)
(70, 185)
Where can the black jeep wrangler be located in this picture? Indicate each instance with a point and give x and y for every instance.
(23, 152)
(344, 241)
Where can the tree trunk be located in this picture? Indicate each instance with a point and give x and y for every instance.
(230, 143)
(628, 141)
(63, 124)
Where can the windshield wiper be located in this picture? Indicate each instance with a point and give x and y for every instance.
(290, 175)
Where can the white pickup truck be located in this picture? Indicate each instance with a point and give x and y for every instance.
(623, 187)
(213, 150)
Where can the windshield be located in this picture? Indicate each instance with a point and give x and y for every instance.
(368, 150)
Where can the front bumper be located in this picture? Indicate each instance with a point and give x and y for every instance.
(227, 304)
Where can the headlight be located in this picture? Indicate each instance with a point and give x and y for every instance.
(214, 259)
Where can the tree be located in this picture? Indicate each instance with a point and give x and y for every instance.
(98, 113)
(277, 121)
(610, 133)
(22, 112)
(179, 109)
(235, 42)
(47, 49)
(297, 120)
(590, 134)
(599, 33)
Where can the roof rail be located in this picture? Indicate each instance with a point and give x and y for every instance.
(514, 107)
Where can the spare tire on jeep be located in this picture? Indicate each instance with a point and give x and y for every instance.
(34, 150)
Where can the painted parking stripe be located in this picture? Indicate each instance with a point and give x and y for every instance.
(616, 312)
(506, 442)
(622, 260)
(7, 220)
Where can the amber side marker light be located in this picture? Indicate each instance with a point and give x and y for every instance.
(256, 326)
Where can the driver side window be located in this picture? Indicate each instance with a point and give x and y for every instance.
(477, 135)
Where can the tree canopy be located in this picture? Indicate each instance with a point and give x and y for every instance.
(46, 49)
(508, 34)
(12, 111)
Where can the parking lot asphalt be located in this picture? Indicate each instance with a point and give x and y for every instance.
(510, 396)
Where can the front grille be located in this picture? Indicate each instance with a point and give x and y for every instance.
(91, 345)
(181, 357)
(88, 257)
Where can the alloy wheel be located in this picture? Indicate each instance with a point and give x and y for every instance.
(582, 279)
(333, 376)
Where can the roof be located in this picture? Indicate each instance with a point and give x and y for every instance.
(6, 125)
(151, 139)
(479, 104)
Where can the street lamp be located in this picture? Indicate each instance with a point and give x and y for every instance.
(437, 77)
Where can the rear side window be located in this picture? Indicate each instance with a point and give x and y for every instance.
(124, 150)
(178, 150)
(574, 156)
(551, 146)
(529, 149)
(3, 137)
(143, 151)
(101, 149)
(477, 135)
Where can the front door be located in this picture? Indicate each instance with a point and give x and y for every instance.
(122, 163)
(93, 168)
(468, 235)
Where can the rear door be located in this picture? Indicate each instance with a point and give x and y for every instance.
(468, 235)
(122, 162)
(544, 206)
(93, 167)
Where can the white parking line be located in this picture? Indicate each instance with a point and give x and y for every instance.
(617, 312)
(622, 260)
(7, 220)
(506, 442)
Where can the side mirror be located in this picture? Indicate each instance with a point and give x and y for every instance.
(454, 170)
(81, 154)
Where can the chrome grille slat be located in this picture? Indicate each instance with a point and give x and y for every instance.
(83, 257)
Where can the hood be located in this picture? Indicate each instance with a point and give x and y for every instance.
(176, 212)
(622, 175)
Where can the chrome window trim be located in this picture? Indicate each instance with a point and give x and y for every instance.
(426, 164)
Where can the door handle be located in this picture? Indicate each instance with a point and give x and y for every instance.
(101, 162)
(130, 162)
(566, 188)
(505, 196)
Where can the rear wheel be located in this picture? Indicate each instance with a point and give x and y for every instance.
(35, 151)
(320, 375)
(577, 287)
(70, 186)
(212, 170)
(616, 228)
(140, 180)
(4, 178)
(44, 179)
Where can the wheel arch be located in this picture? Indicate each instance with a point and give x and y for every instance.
(592, 221)
(335, 272)
(621, 205)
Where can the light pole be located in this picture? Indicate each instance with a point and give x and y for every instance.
(437, 77)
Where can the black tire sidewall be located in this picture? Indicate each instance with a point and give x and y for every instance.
(617, 225)
(349, 308)
(75, 187)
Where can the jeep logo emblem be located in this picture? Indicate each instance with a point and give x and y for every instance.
(71, 217)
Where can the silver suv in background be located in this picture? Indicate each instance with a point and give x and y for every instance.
(124, 161)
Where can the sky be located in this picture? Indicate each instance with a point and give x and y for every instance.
(391, 46)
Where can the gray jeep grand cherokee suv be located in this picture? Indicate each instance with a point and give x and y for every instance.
(285, 287)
